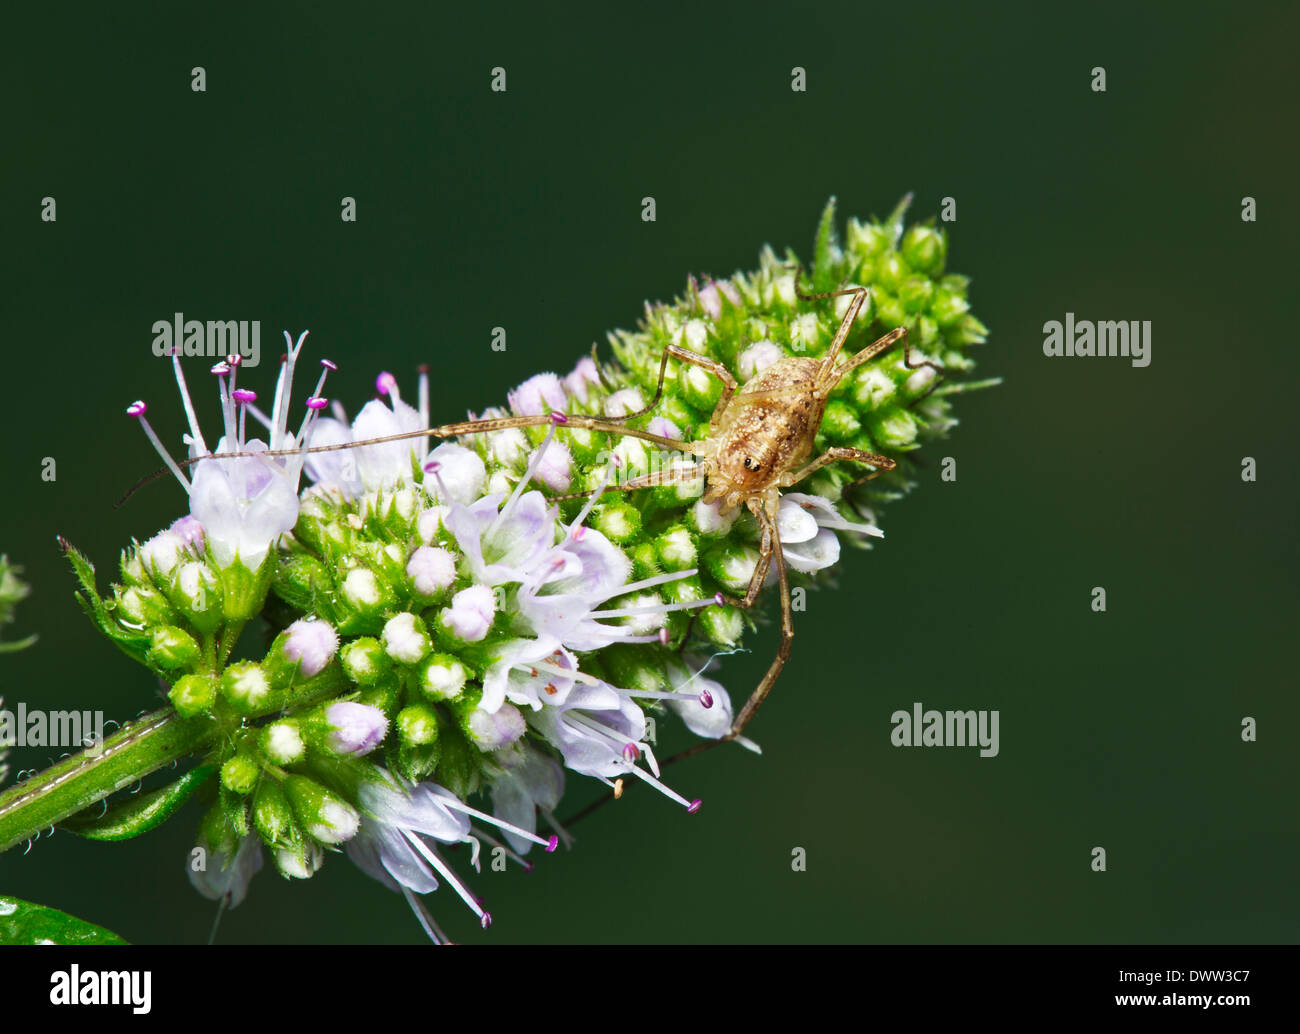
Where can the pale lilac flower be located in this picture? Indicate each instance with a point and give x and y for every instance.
(337, 469)
(390, 464)
(600, 732)
(531, 672)
(355, 729)
(393, 844)
(227, 876)
(665, 428)
(584, 376)
(757, 358)
(807, 525)
(623, 402)
(492, 730)
(554, 466)
(711, 295)
(405, 638)
(539, 394)
(312, 643)
(530, 781)
(431, 569)
(163, 552)
(501, 543)
(470, 615)
(244, 504)
(373, 468)
(461, 474)
(703, 704)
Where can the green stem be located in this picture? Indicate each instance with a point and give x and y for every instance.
(141, 747)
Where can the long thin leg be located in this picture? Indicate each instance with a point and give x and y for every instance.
(772, 540)
(846, 324)
(478, 427)
(714, 367)
(833, 455)
(674, 475)
(757, 697)
(883, 344)
(832, 375)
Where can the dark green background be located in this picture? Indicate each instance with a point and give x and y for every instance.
(523, 210)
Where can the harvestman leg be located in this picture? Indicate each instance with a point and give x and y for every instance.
(872, 350)
(770, 553)
(729, 385)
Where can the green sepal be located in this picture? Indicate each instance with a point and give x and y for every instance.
(135, 644)
(825, 271)
(22, 922)
(140, 813)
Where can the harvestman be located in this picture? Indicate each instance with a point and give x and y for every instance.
(761, 436)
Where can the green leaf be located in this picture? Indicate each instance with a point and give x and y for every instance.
(141, 813)
(21, 922)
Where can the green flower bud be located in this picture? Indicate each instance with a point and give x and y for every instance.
(132, 567)
(195, 591)
(363, 600)
(240, 774)
(699, 388)
(675, 549)
(384, 694)
(364, 661)
(282, 742)
(305, 583)
(890, 311)
(636, 666)
(891, 271)
(867, 239)
(645, 562)
(244, 591)
(892, 428)
(193, 695)
(172, 647)
(142, 605)
(324, 815)
(441, 677)
(732, 565)
(969, 331)
(273, 815)
(948, 307)
(246, 687)
(618, 522)
(915, 294)
(459, 767)
(216, 833)
(299, 861)
(417, 725)
(721, 626)
(406, 638)
(841, 422)
(925, 249)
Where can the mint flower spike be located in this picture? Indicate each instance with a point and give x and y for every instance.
(449, 616)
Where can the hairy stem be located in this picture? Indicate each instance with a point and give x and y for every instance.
(139, 748)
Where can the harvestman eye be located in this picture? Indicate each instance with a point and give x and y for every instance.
(750, 464)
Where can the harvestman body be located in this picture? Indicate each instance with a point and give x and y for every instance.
(761, 436)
